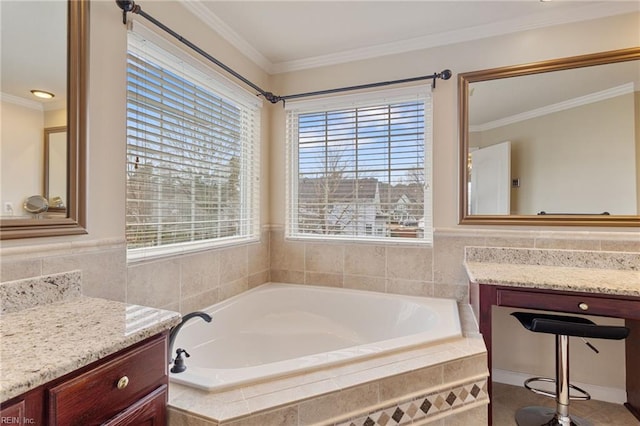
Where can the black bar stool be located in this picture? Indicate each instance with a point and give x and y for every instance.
(563, 327)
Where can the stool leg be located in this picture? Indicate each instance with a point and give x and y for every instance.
(542, 416)
(562, 380)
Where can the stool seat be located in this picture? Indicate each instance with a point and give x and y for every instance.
(569, 326)
(562, 326)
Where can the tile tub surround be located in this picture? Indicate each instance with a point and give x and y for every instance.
(45, 342)
(585, 271)
(354, 391)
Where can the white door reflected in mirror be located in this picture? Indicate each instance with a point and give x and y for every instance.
(490, 188)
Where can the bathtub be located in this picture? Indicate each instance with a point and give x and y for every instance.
(281, 329)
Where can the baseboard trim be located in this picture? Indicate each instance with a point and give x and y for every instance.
(600, 393)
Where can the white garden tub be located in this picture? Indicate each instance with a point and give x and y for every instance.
(280, 329)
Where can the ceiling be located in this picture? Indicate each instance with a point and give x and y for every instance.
(33, 51)
(283, 36)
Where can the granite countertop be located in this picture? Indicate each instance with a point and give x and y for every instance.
(565, 278)
(601, 272)
(44, 342)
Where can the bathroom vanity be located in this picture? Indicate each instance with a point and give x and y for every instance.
(85, 361)
(588, 287)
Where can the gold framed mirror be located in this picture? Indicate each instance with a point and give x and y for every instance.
(554, 142)
(71, 219)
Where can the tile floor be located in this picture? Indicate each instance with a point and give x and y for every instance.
(508, 399)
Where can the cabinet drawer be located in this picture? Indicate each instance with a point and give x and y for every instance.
(149, 411)
(104, 391)
(578, 303)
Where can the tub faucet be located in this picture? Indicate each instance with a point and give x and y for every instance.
(174, 331)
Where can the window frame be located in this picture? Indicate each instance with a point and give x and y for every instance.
(170, 58)
(359, 100)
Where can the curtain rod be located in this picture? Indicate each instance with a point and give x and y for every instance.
(130, 6)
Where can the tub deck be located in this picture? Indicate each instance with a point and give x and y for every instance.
(445, 378)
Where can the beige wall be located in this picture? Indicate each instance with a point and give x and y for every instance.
(527, 46)
(194, 281)
(22, 154)
(22, 151)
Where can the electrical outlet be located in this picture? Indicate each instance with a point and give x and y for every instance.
(8, 208)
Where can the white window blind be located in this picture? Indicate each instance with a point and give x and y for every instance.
(192, 155)
(360, 166)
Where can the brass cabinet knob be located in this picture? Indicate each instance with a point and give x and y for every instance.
(123, 382)
(583, 306)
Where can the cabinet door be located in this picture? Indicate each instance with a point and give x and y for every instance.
(149, 411)
(108, 389)
(13, 414)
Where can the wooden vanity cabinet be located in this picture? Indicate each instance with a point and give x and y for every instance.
(129, 387)
(484, 296)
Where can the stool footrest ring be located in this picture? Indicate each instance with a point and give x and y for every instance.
(584, 397)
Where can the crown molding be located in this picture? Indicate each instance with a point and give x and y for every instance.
(17, 100)
(553, 108)
(225, 31)
(533, 21)
(541, 20)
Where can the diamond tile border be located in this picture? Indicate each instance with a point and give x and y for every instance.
(424, 406)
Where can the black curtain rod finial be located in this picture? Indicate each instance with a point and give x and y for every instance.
(445, 74)
(274, 99)
(127, 6)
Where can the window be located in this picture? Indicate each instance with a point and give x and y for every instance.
(192, 153)
(360, 166)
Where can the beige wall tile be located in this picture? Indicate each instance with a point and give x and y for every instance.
(233, 288)
(359, 282)
(465, 368)
(328, 258)
(414, 381)
(412, 263)
(11, 270)
(154, 284)
(320, 278)
(365, 259)
(180, 418)
(460, 292)
(234, 264)
(259, 254)
(174, 306)
(341, 403)
(473, 416)
(103, 272)
(286, 255)
(410, 287)
(286, 276)
(199, 272)
(567, 243)
(200, 301)
(258, 278)
(287, 416)
(524, 242)
(632, 245)
(448, 254)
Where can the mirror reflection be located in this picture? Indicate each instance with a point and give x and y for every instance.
(45, 46)
(34, 57)
(55, 168)
(559, 143)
